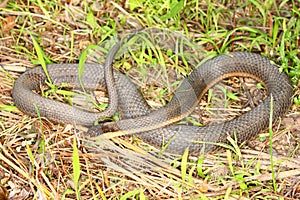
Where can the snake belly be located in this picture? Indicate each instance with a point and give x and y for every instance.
(158, 127)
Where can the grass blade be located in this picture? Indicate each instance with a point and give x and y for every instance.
(76, 168)
(41, 57)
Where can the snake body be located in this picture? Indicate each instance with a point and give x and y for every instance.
(158, 127)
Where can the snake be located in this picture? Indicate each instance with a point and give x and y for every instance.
(159, 127)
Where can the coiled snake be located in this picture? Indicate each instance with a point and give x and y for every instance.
(157, 127)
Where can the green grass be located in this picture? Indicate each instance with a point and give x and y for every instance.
(38, 32)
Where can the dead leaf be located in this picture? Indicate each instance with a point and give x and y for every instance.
(8, 24)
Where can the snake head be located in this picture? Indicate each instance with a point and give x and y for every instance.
(94, 131)
(99, 129)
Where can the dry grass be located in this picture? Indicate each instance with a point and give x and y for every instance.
(38, 159)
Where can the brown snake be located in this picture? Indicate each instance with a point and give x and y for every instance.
(157, 127)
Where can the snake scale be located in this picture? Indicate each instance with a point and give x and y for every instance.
(158, 127)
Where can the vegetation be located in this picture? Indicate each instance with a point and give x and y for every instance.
(40, 159)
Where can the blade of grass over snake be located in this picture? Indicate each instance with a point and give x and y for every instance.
(41, 55)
